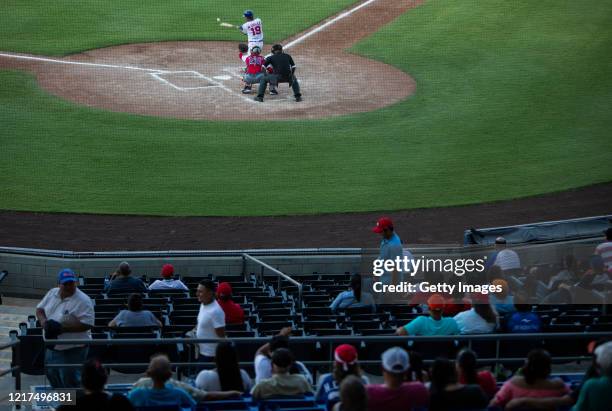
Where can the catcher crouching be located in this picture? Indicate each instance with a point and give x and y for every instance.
(255, 70)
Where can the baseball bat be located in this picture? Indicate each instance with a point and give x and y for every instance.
(224, 24)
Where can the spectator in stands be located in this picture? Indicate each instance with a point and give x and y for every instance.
(583, 292)
(93, 379)
(211, 320)
(282, 381)
(263, 357)
(601, 278)
(434, 324)
(122, 283)
(567, 274)
(455, 304)
(66, 312)
(353, 395)
(354, 297)
(523, 320)
(345, 364)
(395, 394)
(234, 314)
(161, 394)
(534, 383)
(561, 294)
(446, 393)
(605, 250)
(480, 319)
(168, 282)
(503, 301)
(467, 370)
(506, 259)
(390, 248)
(533, 289)
(595, 393)
(416, 371)
(227, 376)
(493, 273)
(135, 316)
(419, 299)
(198, 394)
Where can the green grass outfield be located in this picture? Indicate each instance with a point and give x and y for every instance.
(513, 99)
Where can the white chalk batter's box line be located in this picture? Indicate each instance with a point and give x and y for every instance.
(184, 75)
(159, 75)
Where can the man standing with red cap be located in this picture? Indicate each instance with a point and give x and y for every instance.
(234, 314)
(390, 247)
(390, 240)
(168, 282)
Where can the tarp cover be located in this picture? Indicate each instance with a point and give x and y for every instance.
(545, 231)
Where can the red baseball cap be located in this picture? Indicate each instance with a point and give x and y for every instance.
(167, 271)
(224, 289)
(345, 355)
(382, 224)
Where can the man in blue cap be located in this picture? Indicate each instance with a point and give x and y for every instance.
(253, 29)
(66, 313)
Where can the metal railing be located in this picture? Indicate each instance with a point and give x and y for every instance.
(356, 340)
(279, 273)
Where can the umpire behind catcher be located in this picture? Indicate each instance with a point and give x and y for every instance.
(283, 71)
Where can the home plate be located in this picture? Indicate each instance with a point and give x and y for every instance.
(222, 77)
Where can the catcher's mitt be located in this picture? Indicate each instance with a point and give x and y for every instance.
(243, 48)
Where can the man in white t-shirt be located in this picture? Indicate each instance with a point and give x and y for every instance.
(211, 320)
(66, 313)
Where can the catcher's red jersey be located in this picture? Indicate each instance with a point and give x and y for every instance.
(254, 64)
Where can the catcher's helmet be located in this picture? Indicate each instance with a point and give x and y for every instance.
(248, 14)
(256, 50)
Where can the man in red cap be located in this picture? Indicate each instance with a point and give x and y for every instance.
(345, 364)
(390, 247)
(168, 282)
(434, 324)
(234, 314)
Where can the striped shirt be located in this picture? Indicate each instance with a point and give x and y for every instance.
(507, 260)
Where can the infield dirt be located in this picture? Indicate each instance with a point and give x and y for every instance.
(200, 80)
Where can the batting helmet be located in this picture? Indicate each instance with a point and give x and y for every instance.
(248, 14)
(256, 50)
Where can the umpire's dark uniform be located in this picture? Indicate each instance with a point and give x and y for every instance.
(283, 72)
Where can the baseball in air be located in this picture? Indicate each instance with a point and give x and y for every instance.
(218, 19)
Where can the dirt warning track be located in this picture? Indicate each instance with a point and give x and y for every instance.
(200, 80)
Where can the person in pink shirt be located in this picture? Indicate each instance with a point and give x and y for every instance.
(534, 385)
(395, 394)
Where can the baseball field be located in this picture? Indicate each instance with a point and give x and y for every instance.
(131, 107)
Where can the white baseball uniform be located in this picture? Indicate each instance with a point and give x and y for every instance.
(254, 31)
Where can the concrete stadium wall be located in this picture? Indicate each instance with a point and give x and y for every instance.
(33, 275)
